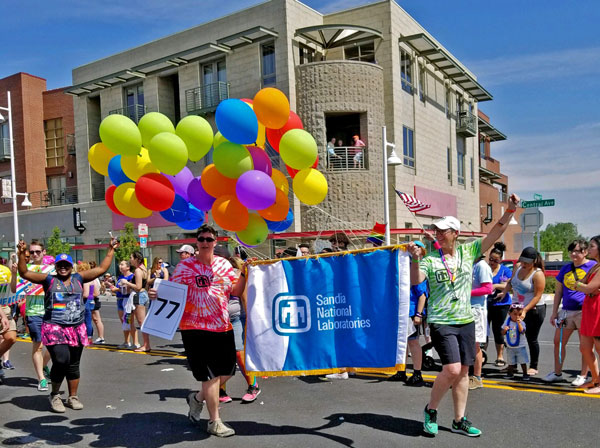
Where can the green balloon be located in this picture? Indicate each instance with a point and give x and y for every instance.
(298, 149)
(168, 153)
(256, 232)
(154, 123)
(121, 135)
(197, 134)
(232, 160)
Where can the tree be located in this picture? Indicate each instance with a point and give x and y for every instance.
(128, 243)
(55, 244)
(557, 237)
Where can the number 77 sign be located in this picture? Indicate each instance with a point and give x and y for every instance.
(165, 312)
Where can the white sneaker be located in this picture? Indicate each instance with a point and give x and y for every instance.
(337, 376)
(552, 378)
(580, 381)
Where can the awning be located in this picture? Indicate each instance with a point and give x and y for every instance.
(490, 131)
(223, 45)
(332, 36)
(445, 63)
(484, 172)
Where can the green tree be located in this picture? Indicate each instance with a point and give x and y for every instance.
(557, 237)
(129, 243)
(55, 245)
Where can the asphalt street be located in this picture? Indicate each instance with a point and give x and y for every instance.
(138, 400)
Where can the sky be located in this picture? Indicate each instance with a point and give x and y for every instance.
(540, 59)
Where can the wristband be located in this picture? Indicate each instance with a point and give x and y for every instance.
(419, 315)
(511, 210)
(436, 244)
(415, 260)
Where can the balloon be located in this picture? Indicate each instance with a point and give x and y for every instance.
(242, 243)
(255, 190)
(260, 159)
(195, 219)
(236, 121)
(178, 212)
(181, 181)
(261, 134)
(280, 181)
(215, 184)
(292, 172)
(298, 149)
(256, 231)
(278, 211)
(197, 135)
(155, 192)
(310, 186)
(168, 153)
(154, 123)
(198, 196)
(280, 226)
(99, 157)
(274, 135)
(115, 172)
(196, 214)
(127, 202)
(229, 213)
(271, 107)
(110, 202)
(219, 139)
(232, 160)
(121, 135)
(136, 166)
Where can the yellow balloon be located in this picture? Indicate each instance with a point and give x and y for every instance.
(5, 274)
(135, 167)
(218, 140)
(99, 156)
(126, 201)
(262, 132)
(280, 181)
(310, 186)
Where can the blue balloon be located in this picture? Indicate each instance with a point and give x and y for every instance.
(178, 212)
(237, 122)
(115, 172)
(280, 226)
(196, 214)
(190, 224)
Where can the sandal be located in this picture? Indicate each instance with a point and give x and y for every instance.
(500, 363)
(593, 390)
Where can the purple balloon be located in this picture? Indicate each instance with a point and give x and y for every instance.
(198, 197)
(180, 181)
(261, 160)
(242, 243)
(255, 190)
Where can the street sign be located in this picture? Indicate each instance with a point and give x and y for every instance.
(77, 222)
(142, 229)
(143, 242)
(531, 220)
(6, 189)
(538, 203)
(537, 196)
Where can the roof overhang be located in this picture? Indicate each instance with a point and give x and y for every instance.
(223, 45)
(488, 174)
(332, 36)
(446, 64)
(490, 131)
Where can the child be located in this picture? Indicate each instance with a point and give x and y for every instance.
(516, 343)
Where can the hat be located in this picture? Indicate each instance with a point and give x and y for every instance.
(448, 222)
(528, 255)
(186, 248)
(64, 257)
(516, 306)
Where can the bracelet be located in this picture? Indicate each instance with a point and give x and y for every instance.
(415, 260)
(511, 210)
(419, 315)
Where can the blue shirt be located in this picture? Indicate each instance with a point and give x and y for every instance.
(417, 291)
(503, 275)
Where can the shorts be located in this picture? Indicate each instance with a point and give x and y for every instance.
(418, 330)
(141, 298)
(481, 323)
(454, 343)
(358, 157)
(121, 304)
(238, 332)
(12, 326)
(516, 355)
(34, 325)
(210, 354)
(572, 319)
(97, 304)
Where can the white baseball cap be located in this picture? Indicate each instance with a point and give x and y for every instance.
(186, 248)
(448, 222)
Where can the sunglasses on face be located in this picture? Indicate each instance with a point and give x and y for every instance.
(202, 239)
(493, 260)
(35, 252)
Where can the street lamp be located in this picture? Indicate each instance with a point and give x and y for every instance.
(392, 160)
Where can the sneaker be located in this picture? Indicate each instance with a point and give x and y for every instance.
(74, 403)
(399, 376)
(552, 378)
(592, 390)
(580, 381)
(100, 341)
(1, 372)
(223, 397)
(337, 376)
(509, 376)
(465, 428)
(43, 385)
(56, 404)
(219, 429)
(415, 381)
(475, 383)
(195, 407)
(124, 346)
(251, 394)
(430, 425)
(8, 365)
(47, 372)
(526, 377)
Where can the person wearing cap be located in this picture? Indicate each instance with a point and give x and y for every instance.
(358, 151)
(449, 271)
(186, 251)
(63, 328)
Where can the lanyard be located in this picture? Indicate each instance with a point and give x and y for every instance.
(451, 275)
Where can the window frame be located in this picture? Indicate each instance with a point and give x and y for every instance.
(361, 58)
(406, 72)
(268, 79)
(57, 149)
(460, 161)
(408, 159)
(449, 163)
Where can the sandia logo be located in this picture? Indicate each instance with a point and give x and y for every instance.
(291, 314)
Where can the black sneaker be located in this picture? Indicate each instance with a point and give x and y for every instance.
(415, 381)
(398, 376)
(465, 427)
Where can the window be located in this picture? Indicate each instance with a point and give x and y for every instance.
(472, 173)
(134, 102)
(406, 71)
(460, 160)
(214, 77)
(422, 82)
(364, 52)
(449, 163)
(482, 148)
(55, 148)
(268, 64)
(307, 54)
(408, 148)
(6, 200)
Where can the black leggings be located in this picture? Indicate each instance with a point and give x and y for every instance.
(533, 322)
(65, 362)
(496, 316)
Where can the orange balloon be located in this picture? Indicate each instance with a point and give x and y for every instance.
(271, 107)
(215, 184)
(280, 181)
(279, 210)
(230, 214)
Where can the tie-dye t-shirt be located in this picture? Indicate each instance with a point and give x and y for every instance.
(208, 293)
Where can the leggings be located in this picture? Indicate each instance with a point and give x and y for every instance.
(496, 316)
(533, 321)
(65, 362)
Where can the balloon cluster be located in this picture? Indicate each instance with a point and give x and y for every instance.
(147, 165)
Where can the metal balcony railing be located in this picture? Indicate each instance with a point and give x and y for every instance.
(206, 98)
(71, 144)
(466, 124)
(4, 149)
(135, 112)
(348, 158)
(53, 198)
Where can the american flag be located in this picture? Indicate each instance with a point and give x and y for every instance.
(412, 203)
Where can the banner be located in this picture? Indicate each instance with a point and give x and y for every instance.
(24, 288)
(328, 313)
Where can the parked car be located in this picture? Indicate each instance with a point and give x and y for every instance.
(552, 267)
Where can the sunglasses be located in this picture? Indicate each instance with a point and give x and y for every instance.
(202, 239)
(35, 251)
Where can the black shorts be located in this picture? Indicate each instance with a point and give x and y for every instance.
(210, 354)
(454, 343)
(97, 304)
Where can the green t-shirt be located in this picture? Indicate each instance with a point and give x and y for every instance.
(34, 303)
(450, 305)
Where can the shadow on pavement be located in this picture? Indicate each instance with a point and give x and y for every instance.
(163, 394)
(248, 428)
(397, 425)
(168, 362)
(19, 382)
(37, 402)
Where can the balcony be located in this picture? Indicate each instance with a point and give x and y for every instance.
(348, 158)
(466, 124)
(71, 144)
(4, 149)
(135, 112)
(53, 198)
(205, 99)
(98, 191)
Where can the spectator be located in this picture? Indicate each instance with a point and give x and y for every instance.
(334, 160)
(498, 307)
(339, 242)
(516, 352)
(482, 286)
(358, 151)
(304, 249)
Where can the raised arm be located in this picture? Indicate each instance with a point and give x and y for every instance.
(240, 286)
(416, 275)
(33, 277)
(96, 272)
(589, 288)
(501, 225)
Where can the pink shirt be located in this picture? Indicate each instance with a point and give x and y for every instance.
(208, 293)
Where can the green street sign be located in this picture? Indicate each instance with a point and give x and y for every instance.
(537, 197)
(540, 203)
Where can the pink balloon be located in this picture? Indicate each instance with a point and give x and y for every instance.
(255, 190)
(198, 196)
(261, 160)
(180, 181)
